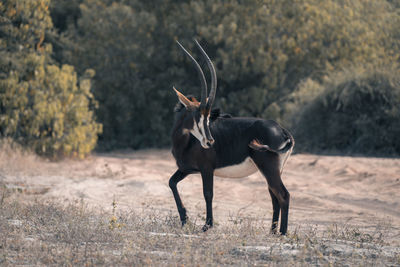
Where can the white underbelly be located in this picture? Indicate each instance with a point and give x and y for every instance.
(243, 169)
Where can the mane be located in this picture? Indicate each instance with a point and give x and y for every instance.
(216, 113)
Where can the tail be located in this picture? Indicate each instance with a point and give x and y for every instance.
(286, 147)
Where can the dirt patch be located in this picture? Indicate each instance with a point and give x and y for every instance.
(324, 189)
(344, 210)
(47, 233)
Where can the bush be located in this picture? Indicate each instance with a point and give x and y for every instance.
(50, 112)
(261, 49)
(357, 111)
(43, 106)
(120, 42)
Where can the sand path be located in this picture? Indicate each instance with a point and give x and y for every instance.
(324, 189)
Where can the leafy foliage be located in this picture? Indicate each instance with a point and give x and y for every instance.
(117, 40)
(262, 51)
(43, 106)
(358, 111)
(271, 56)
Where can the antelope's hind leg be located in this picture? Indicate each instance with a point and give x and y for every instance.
(276, 209)
(269, 165)
(173, 181)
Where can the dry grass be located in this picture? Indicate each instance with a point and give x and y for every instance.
(36, 229)
(13, 157)
(46, 233)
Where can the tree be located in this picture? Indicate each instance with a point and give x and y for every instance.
(356, 110)
(43, 106)
(262, 51)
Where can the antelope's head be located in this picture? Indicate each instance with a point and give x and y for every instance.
(197, 121)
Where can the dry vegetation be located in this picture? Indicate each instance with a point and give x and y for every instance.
(39, 227)
(46, 233)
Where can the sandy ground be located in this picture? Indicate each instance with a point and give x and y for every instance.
(324, 189)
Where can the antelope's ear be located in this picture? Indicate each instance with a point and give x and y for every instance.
(184, 100)
(193, 100)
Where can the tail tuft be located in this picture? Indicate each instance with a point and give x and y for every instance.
(256, 145)
(286, 148)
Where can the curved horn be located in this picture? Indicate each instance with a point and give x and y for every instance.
(201, 76)
(213, 89)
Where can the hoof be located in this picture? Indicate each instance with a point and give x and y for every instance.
(206, 227)
(184, 221)
(274, 227)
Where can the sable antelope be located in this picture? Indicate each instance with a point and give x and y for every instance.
(206, 142)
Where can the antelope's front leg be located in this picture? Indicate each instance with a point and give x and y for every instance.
(208, 192)
(173, 181)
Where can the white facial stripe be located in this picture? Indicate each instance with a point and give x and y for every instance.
(201, 123)
(196, 132)
(199, 132)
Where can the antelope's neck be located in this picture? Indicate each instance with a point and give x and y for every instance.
(180, 139)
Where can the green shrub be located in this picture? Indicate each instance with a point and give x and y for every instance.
(50, 112)
(261, 50)
(356, 110)
(43, 106)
